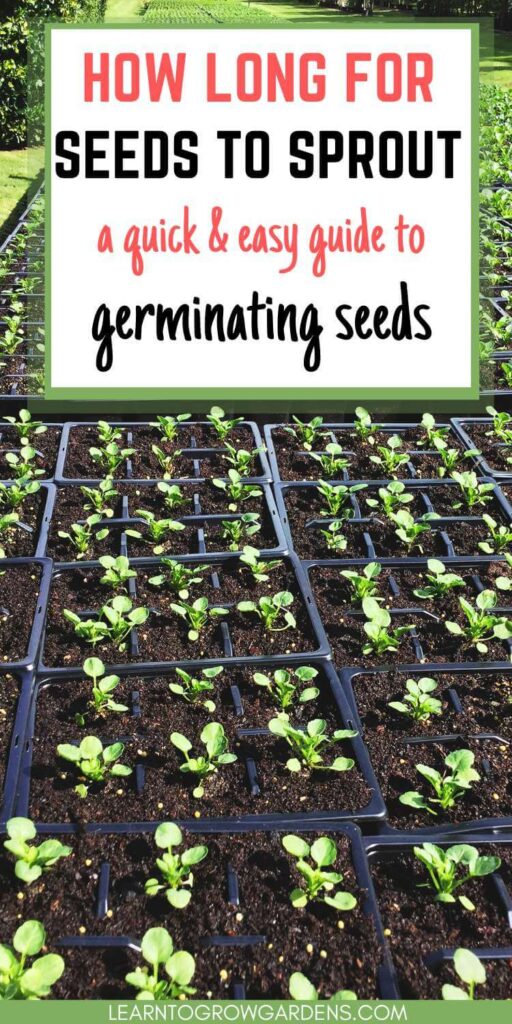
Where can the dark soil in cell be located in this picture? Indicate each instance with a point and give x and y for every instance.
(492, 376)
(486, 702)
(144, 464)
(19, 591)
(493, 450)
(18, 542)
(394, 761)
(46, 445)
(261, 865)
(418, 925)
(21, 386)
(164, 635)
(9, 690)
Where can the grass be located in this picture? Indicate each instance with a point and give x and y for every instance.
(123, 10)
(496, 67)
(18, 169)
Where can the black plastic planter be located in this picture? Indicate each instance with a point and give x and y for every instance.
(200, 522)
(44, 566)
(486, 464)
(337, 432)
(193, 452)
(332, 702)
(115, 886)
(426, 490)
(39, 533)
(216, 562)
(18, 694)
(382, 851)
(454, 735)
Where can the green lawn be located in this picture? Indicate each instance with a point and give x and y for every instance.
(496, 67)
(122, 10)
(18, 169)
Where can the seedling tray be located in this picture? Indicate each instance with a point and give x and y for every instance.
(39, 531)
(464, 426)
(333, 432)
(304, 607)
(255, 780)
(15, 695)
(370, 547)
(9, 443)
(200, 523)
(437, 733)
(402, 936)
(193, 451)
(44, 566)
(343, 621)
(239, 910)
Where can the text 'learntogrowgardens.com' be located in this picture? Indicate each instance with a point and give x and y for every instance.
(261, 212)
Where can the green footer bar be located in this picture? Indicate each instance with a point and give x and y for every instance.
(253, 1012)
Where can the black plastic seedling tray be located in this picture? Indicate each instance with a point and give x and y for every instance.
(45, 567)
(463, 427)
(47, 493)
(198, 519)
(193, 452)
(23, 682)
(330, 432)
(7, 445)
(333, 699)
(235, 895)
(441, 525)
(385, 848)
(215, 561)
(348, 676)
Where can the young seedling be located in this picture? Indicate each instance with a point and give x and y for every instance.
(473, 493)
(391, 498)
(317, 884)
(380, 637)
(197, 615)
(158, 530)
(217, 754)
(222, 426)
(501, 425)
(364, 584)
(301, 989)
(409, 530)
(504, 583)
(174, 868)
(443, 866)
(282, 688)
(158, 951)
(389, 457)
(13, 496)
(94, 762)
(334, 538)
(31, 860)
(448, 788)
(21, 981)
(363, 426)
(439, 581)
(417, 703)
(166, 460)
(332, 460)
(470, 970)
(120, 618)
(106, 433)
(110, 457)
(236, 490)
(259, 570)
(169, 425)
(309, 745)
(98, 499)
(82, 536)
(307, 433)
(178, 578)
(240, 459)
(101, 703)
(272, 611)
(432, 432)
(23, 465)
(481, 625)
(192, 688)
(337, 499)
(7, 524)
(174, 498)
(236, 531)
(25, 426)
(450, 457)
(499, 539)
(117, 571)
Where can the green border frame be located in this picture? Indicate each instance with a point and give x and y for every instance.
(292, 397)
